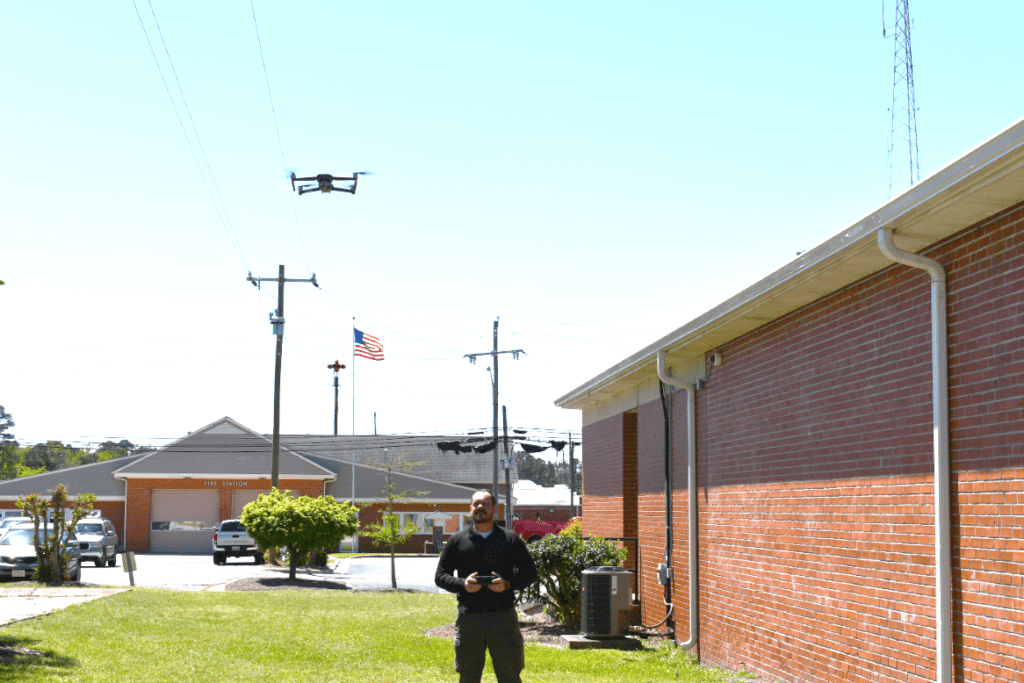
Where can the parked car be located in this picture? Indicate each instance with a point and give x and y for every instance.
(533, 530)
(232, 540)
(18, 552)
(98, 541)
(8, 522)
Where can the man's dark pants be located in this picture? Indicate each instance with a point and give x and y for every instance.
(477, 632)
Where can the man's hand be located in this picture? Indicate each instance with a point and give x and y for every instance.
(498, 584)
(471, 585)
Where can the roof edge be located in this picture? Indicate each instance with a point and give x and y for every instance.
(969, 171)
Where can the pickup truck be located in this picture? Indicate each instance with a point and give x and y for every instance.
(534, 530)
(232, 540)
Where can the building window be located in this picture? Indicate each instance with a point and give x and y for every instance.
(423, 525)
(202, 525)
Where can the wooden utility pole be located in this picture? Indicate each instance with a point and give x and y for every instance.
(507, 459)
(572, 479)
(494, 394)
(277, 321)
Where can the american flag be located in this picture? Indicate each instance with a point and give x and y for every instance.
(368, 346)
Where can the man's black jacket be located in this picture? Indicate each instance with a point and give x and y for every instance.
(503, 552)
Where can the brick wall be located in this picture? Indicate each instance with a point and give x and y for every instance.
(610, 487)
(140, 496)
(374, 512)
(815, 475)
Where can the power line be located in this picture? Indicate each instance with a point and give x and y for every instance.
(232, 238)
(594, 327)
(277, 129)
(188, 110)
(386, 327)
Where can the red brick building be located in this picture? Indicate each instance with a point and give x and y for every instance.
(857, 491)
(171, 500)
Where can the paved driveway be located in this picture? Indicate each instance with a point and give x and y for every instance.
(370, 572)
(175, 572)
(198, 573)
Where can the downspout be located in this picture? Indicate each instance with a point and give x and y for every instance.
(691, 498)
(940, 438)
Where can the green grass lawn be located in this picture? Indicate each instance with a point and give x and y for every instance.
(287, 635)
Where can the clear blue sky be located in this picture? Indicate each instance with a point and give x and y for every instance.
(597, 174)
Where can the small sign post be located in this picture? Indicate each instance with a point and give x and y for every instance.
(128, 562)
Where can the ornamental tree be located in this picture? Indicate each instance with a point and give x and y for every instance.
(64, 513)
(389, 531)
(560, 560)
(277, 520)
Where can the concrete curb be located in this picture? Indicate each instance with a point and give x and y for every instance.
(20, 603)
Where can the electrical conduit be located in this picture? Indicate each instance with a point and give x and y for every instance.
(691, 499)
(940, 438)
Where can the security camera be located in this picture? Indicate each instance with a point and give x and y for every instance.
(716, 358)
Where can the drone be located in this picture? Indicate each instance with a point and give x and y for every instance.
(325, 183)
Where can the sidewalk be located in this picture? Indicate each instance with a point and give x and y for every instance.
(20, 602)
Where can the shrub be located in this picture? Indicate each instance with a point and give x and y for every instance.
(560, 559)
(302, 525)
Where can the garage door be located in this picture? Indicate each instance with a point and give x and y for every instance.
(183, 521)
(239, 499)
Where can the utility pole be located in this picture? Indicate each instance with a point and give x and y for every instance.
(507, 460)
(336, 366)
(494, 393)
(572, 479)
(277, 321)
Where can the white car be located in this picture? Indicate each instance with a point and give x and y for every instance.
(8, 522)
(18, 553)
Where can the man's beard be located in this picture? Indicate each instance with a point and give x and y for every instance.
(481, 516)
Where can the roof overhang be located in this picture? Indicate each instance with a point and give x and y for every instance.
(228, 476)
(983, 182)
(98, 499)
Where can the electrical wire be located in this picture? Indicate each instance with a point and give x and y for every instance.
(277, 129)
(293, 442)
(232, 238)
(195, 130)
(595, 327)
(391, 354)
(387, 327)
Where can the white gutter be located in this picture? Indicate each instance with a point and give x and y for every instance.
(940, 438)
(691, 497)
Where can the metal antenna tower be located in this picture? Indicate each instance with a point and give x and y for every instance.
(904, 166)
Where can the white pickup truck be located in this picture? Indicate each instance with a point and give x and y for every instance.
(232, 540)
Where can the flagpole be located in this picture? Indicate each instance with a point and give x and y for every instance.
(355, 544)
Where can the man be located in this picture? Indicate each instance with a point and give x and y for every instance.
(492, 563)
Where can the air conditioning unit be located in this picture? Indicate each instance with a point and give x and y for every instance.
(605, 600)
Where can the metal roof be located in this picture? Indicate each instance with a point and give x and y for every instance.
(96, 478)
(986, 180)
(372, 483)
(471, 469)
(222, 449)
